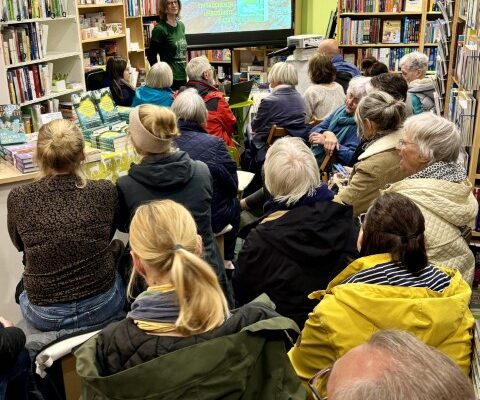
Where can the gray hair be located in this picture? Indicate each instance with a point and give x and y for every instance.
(197, 66)
(291, 170)
(283, 73)
(383, 110)
(189, 106)
(415, 61)
(414, 371)
(358, 86)
(438, 139)
(159, 76)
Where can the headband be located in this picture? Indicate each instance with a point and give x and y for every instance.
(143, 139)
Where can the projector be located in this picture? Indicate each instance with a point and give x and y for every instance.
(304, 41)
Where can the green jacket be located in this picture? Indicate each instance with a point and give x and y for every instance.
(251, 364)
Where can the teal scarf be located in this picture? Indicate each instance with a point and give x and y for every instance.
(340, 125)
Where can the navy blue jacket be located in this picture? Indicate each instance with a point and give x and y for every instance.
(212, 151)
(286, 109)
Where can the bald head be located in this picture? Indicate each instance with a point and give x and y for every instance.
(329, 47)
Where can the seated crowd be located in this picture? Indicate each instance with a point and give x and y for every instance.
(356, 288)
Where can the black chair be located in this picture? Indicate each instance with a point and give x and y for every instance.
(95, 79)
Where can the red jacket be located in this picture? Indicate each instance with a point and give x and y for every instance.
(221, 120)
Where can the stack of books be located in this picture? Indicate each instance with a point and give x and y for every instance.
(23, 161)
(109, 141)
(25, 42)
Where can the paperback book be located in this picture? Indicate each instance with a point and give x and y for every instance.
(12, 129)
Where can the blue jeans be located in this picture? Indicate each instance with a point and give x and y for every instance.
(92, 312)
(13, 382)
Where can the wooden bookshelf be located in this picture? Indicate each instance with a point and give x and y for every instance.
(63, 51)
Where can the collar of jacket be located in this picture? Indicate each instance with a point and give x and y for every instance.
(193, 126)
(387, 142)
(282, 88)
(201, 86)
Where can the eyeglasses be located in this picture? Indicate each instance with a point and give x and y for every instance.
(403, 143)
(172, 3)
(361, 219)
(318, 384)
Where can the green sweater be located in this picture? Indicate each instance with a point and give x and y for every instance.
(172, 47)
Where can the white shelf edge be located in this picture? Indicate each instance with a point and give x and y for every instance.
(50, 96)
(49, 57)
(99, 39)
(97, 5)
(24, 21)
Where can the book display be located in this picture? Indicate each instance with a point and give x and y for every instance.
(41, 55)
(387, 30)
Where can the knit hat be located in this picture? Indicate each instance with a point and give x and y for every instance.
(143, 139)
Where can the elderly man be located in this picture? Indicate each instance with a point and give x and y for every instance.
(392, 365)
(345, 70)
(421, 88)
(221, 120)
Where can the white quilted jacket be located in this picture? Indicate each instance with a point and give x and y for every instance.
(446, 206)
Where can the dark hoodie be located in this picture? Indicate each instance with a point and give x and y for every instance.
(176, 177)
(290, 256)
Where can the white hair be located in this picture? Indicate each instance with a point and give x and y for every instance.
(159, 76)
(415, 61)
(414, 371)
(437, 138)
(283, 73)
(197, 66)
(189, 106)
(291, 170)
(359, 86)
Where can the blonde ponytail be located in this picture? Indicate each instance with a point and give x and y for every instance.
(164, 236)
(59, 150)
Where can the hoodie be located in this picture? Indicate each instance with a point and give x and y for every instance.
(422, 91)
(150, 95)
(289, 254)
(446, 207)
(175, 177)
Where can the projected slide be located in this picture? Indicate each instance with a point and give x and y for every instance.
(215, 16)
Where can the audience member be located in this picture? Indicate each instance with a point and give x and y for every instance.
(325, 95)
(338, 133)
(414, 67)
(183, 342)
(392, 286)
(396, 86)
(438, 184)
(14, 362)
(157, 87)
(192, 116)
(117, 79)
(63, 223)
(367, 63)
(372, 67)
(393, 365)
(221, 120)
(379, 118)
(345, 70)
(302, 242)
(165, 173)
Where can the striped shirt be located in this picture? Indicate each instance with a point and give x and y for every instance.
(394, 274)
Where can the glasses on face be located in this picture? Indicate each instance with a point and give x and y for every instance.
(403, 143)
(318, 384)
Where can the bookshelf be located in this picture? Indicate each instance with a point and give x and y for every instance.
(385, 29)
(36, 44)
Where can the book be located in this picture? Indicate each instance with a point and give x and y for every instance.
(106, 106)
(413, 5)
(87, 113)
(391, 31)
(12, 129)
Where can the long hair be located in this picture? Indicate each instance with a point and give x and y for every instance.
(394, 224)
(162, 9)
(164, 236)
(60, 146)
(115, 68)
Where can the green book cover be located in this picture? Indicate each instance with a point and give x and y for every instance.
(12, 130)
(105, 105)
(86, 110)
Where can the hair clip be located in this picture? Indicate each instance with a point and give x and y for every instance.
(176, 247)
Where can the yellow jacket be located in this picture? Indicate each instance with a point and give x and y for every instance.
(349, 314)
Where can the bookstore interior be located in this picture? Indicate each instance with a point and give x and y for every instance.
(54, 57)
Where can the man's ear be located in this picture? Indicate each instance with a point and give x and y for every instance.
(137, 264)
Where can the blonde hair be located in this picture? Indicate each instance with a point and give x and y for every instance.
(160, 122)
(283, 73)
(60, 147)
(291, 170)
(163, 235)
(159, 76)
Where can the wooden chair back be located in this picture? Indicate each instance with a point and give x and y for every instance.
(275, 133)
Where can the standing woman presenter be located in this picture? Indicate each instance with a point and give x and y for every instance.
(168, 41)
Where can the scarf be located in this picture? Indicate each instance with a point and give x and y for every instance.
(321, 193)
(451, 172)
(156, 309)
(340, 125)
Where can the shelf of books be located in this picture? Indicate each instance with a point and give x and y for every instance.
(40, 53)
(387, 30)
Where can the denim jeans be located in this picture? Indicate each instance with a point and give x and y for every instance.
(92, 312)
(13, 382)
